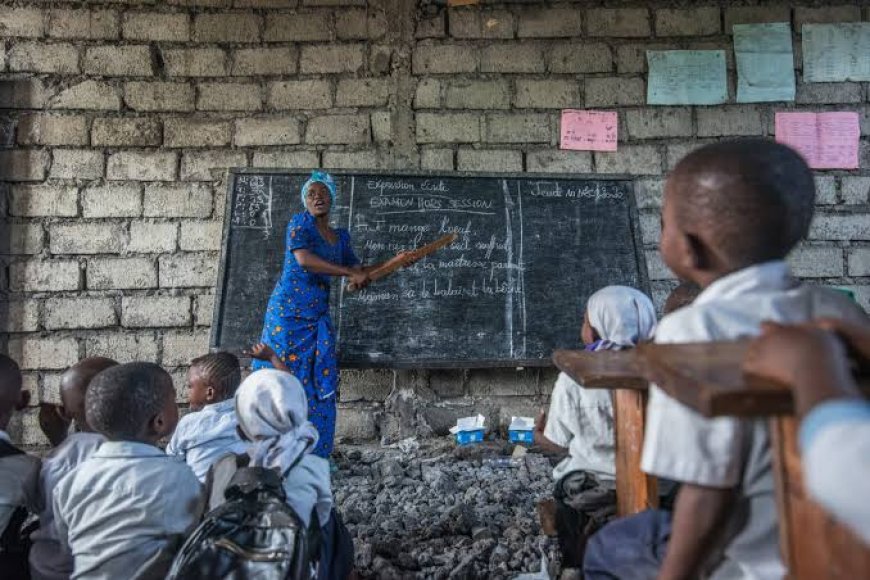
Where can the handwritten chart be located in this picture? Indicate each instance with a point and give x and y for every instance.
(836, 52)
(686, 77)
(588, 130)
(765, 62)
(826, 140)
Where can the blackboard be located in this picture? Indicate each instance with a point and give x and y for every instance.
(510, 290)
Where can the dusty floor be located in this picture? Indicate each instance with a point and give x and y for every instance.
(438, 511)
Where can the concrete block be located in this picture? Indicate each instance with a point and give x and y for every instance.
(118, 61)
(185, 200)
(152, 237)
(859, 261)
(87, 95)
(179, 348)
(468, 94)
(827, 14)
(829, 93)
(554, 161)
(77, 164)
(123, 347)
(518, 128)
(22, 22)
(382, 126)
(512, 58)
(437, 160)
(195, 62)
(22, 93)
(19, 316)
(50, 353)
(142, 166)
(23, 240)
(267, 131)
(44, 276)
(817, 262)
(188, 270)
(448, 383)
(87, 238)
(615, 91)
(632, 159)
(307, 94)
(580, 58)
(265, 61)
(730, 121)
(83, 24)
(631, 58)
(755, 15)
(43, 201)
(46, 129)
(618, 22)
(156, 26)
(468, 23)
(826, 190)
(357, 24)
(428, 94)
(286, 159)
(300, 27)
(700, 21)
(204, 165)
(840, 226)
(120, 274)
(203, 309)
(155, 311)
(200, 236)
(352, 160)
(357, 424)
(656, 268)
(365, 385)
(234, 27)
(23, 165)
(229, 97)
(444, 59)
(330, 58)
(547, 94)
(363, 93)
(126, 132)
(659, 122)
(502, 382)
(676, 151)
(489, 160)
(74, 313)
(338, 129)
(159, 96)
(448, 128)
(36, 57)
(541, 22)
(650, 226)
(855, 190)
(189, 133)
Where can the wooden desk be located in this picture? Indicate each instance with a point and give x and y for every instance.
(708, 378)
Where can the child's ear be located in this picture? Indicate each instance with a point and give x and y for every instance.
(210, 393)
(698, 254)
(23, 400)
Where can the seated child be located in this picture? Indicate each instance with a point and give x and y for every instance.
(49, 559)
(124, 510)
(19, 476)
(732, 212)
(683, 295)
(835, 418)
(273, 416)
(210, 432)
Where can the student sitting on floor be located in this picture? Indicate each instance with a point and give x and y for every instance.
(732, 212)
(50, 560)
(124, 510)
(19, 477)
(273, 416)
(835, 418)
(210, 432)
(683, 295)
(580, 420)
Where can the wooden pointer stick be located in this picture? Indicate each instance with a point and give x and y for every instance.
(402, 260)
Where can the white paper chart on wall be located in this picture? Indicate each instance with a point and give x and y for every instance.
(252, 208)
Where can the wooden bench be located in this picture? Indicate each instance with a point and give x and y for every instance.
(708, 378)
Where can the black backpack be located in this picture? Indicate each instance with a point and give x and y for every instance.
(15, 539)
(255, 534)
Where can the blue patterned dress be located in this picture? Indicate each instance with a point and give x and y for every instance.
(298, 326)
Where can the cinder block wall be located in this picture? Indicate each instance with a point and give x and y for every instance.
(120, 119)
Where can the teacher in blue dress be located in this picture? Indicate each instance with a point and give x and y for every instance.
(297, 324)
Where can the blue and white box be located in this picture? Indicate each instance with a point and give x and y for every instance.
(522, 430)
(469, 430)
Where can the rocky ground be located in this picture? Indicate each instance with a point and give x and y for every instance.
(440, 511)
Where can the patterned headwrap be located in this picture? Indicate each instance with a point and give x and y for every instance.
(319, 177)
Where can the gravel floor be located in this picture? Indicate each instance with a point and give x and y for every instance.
(440, 511)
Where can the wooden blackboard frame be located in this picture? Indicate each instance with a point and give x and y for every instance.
(546, 362)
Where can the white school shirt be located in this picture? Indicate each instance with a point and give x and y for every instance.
(835, 446)
(122, 506)
(582, 420)
(19, 483)
(205, 436)
(726, 452)
(49, 559)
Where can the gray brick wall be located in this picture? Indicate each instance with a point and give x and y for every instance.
(121, 118)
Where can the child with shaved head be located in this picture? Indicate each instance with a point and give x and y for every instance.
(732, 212)
(49, 559)
(125, 508)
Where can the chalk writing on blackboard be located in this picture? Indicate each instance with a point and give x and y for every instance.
(252, 208)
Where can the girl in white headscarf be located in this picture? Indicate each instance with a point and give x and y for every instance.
(272, 411)
(580, 420)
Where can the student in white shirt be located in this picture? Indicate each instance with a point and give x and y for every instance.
(49, 560)
(732, 212)
(127, 508)
(835, 418)
(19, 475)
(210, 432)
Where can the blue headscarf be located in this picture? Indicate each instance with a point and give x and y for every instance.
(319, 177)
